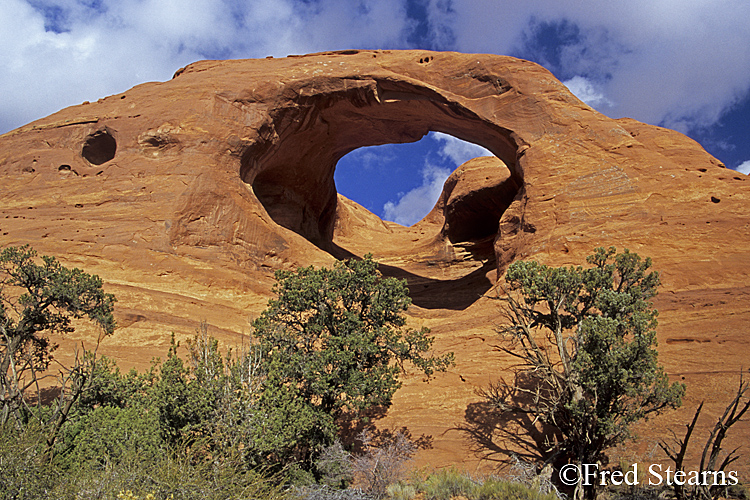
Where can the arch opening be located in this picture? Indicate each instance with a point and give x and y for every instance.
(401, 183)
(291, 169)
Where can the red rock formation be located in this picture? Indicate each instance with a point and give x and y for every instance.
(185, 196)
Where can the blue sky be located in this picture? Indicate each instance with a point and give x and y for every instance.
(682, 64)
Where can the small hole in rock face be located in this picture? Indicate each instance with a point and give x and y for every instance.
(715, 199)
(702, 170)
(63, 167)
(99, 147)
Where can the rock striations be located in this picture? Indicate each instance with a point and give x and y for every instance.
(185, 196)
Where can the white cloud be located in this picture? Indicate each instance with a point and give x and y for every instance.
(681, 64)
(456, 150)
(744, 167)
(586, 91)
(413, 205)
(373, 157)
(88, 50)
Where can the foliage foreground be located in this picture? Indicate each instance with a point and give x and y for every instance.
(267, 419)
(585, 340)
(334, 346)
(331, 347)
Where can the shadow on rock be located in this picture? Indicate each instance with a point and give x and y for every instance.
(456, 294)
(430, 293)
(496, 431)
(352, 430)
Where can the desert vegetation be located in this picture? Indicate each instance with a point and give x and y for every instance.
(585, 340)
(288, 413)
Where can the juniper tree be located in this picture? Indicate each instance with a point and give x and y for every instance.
(334, 344)
(39, 297)
(585, 339)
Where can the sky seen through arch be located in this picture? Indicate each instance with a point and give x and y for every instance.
(402, 182)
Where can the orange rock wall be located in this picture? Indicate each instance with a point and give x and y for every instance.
(185, 196)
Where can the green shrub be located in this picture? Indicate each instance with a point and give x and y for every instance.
(498, 489)
(127, 473)
(448, 483)
(107, 434)
(334, 466)
(108, 387)
(401, 491)
(23, 472)
(205, 426)
(334, 344)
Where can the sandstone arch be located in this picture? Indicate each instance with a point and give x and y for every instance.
(173, 227)
(250, 147)
(291, 169)
(284, 137)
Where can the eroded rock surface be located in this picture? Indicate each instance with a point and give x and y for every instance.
(186, 195)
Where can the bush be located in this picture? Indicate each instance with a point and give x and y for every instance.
(498, 489)
(333, 346)
(401, 491)
(172, 474)
(586, 343)
(178, 431)
(383, 464)
(24, 473)
(451, 483)
(448, 483)
(38, 299)
(107, 434)
(334, 466)
(324, 492)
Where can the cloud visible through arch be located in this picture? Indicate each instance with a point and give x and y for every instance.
(412, 206)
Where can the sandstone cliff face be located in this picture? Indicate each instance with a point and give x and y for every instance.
(185, 196)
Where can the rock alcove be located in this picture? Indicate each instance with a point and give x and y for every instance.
(99, 147)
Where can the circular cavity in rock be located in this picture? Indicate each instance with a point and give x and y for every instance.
(99, 147)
